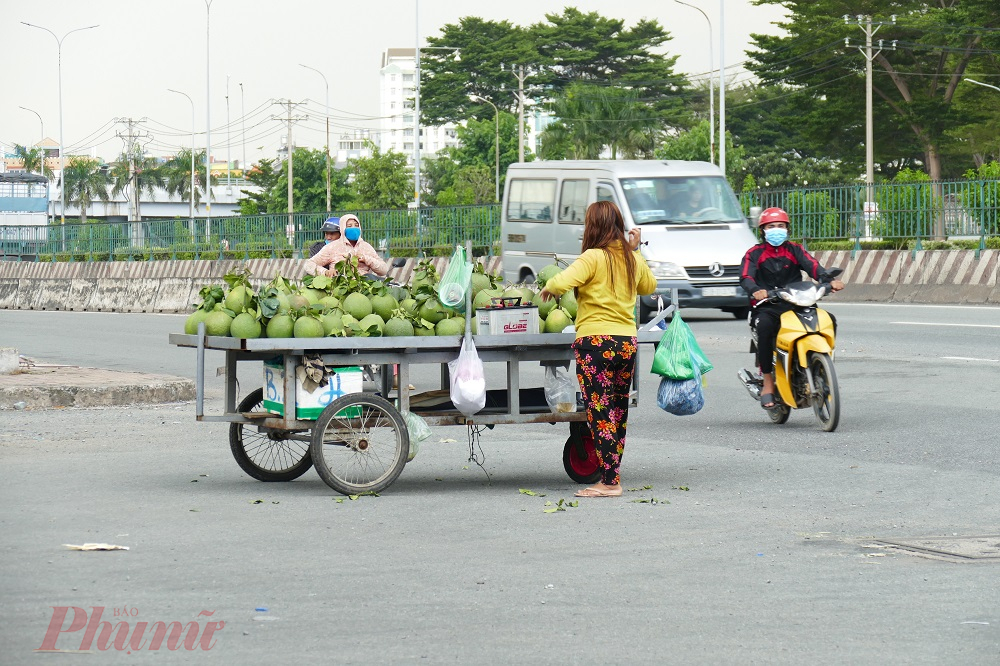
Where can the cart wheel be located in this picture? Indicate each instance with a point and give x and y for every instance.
(580, 456)
(267, 455)
(360, 444)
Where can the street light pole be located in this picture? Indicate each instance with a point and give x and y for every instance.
(711, 87)
(62, 183)
(416, 110)
(978, 83)
(191, 221)
(243, 131)
(42, 123)
(327, 114)
(722, 86)
(496, 146)
(208, 120)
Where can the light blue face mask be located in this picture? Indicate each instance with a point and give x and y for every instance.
(775, 237)
(352, 233)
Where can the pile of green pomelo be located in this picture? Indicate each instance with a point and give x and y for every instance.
(349, 305)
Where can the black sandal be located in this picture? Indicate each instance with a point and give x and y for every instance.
(768, 401)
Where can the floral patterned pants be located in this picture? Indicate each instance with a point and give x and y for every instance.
(604, 367)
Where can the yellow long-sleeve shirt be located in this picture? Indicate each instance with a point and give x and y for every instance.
(605, 304)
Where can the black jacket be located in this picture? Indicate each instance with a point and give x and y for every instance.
(768, 267)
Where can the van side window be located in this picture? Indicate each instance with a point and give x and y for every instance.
(573, 201)
(606, 192)
(531, 200)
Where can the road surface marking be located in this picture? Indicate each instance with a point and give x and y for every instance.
(969, 358)
(934, 323)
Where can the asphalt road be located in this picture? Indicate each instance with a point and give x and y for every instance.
(761, 546)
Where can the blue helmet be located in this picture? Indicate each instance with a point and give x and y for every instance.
(331, 225)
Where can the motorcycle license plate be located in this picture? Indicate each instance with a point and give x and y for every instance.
(718, 291)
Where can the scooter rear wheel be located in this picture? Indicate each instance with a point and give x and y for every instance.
(826, 404)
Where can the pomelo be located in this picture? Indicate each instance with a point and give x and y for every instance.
(384, 306)
(479, 282)
(280, 326)
(420, 330)
(568, 302)
(298, 301)
(557, 321)
(544, 307)
(357, 305)
(397, 326)
(217, 323)
(409, 306)
(372, 320)
(308, 327)
(330, 302)
(333, 321)
(547, 273)
(484, 298)
(191, 323)
(432, 311)
(520, 291)
(245, 326)
(450, 326)
(314, 295)
(238, 299)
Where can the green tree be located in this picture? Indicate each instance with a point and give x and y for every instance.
(593, 118)
(915, 84)
(176, 174)
(309, 184)
(382, 180)
(137, 173)
(33, 159)
(86, 181)
(264, 174)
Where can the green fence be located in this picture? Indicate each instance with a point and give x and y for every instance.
(893, 213)
(397, 233)
(961, 209)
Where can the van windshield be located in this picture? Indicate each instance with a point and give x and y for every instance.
(681, 200)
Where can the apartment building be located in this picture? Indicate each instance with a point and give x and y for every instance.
(396, 95)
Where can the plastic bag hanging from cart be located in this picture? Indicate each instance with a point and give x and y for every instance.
(681, 397)
(455, 281)
(560, 389)
(468, 379)
(678, 355)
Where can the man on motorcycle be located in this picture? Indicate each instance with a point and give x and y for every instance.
(331, 233)
(774, 264)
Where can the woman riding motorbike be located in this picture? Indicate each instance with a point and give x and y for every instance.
(774, 264)
(349, 245)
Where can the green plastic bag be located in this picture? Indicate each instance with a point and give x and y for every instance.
(678, 355)
(456, 281)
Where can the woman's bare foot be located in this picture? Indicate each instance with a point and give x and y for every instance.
(601, 490)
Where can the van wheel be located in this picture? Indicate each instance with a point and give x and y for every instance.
(527, 277)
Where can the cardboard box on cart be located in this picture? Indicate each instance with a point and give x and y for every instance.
(310, 404)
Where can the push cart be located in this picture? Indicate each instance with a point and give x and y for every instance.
(359, 442)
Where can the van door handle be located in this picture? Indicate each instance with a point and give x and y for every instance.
(580, 236)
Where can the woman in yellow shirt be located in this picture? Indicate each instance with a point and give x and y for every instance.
(607, 276)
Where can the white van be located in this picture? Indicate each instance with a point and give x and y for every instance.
(693, 229)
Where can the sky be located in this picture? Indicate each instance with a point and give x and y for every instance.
(141, 48)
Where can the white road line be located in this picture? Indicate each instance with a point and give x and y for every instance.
(934, 323)
(969, 358)
(914, 305)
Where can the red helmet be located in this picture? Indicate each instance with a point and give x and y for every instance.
(771, 215)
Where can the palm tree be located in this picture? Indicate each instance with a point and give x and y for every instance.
(85, 181)
(137, 172)
(592, 118)
(33, 159)
(177, 175)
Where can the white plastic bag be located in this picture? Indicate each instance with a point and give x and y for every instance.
(468, 380)
(560, 389)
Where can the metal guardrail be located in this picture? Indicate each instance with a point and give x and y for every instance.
(903, 212)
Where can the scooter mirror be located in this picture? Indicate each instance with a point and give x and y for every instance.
(755, 216)
(398, 262)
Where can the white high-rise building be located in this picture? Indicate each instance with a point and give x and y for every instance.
(396, 94)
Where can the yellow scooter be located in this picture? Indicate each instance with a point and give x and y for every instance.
(804, 375)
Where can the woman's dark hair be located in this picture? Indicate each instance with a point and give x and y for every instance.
(603, 226)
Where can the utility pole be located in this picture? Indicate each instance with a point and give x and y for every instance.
(866, 24)
(290, 228)
(722, 87)
(130, 138)
(229, 144)
(519, 73)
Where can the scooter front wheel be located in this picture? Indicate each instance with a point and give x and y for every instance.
(826, 401)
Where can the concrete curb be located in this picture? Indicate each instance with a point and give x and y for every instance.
(49, 387)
